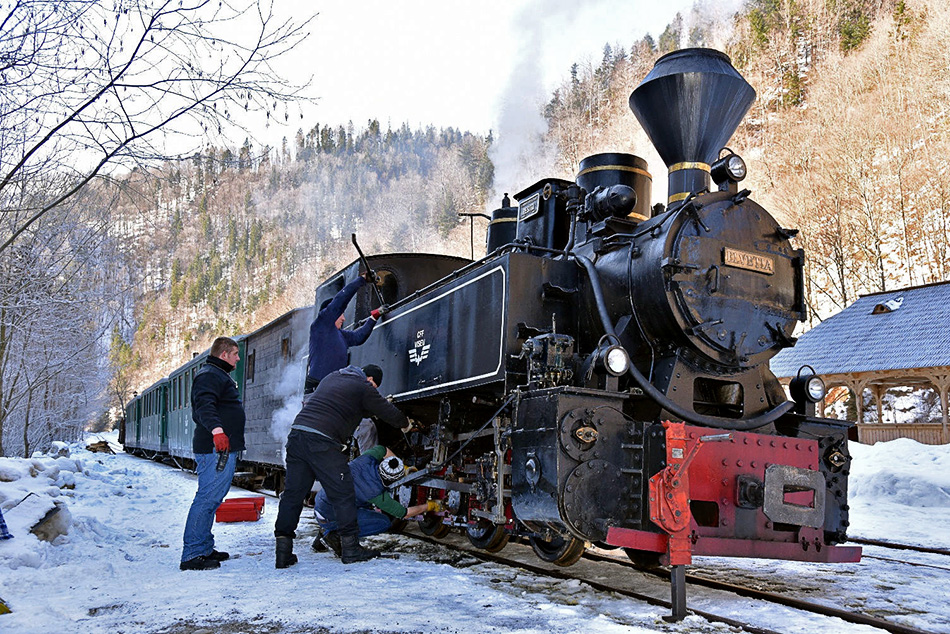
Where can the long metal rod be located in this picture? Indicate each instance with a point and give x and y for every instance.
(379, 295)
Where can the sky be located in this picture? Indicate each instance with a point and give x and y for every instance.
(115, 568)
(451, 63)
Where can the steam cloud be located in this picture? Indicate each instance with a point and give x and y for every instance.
(289, 391)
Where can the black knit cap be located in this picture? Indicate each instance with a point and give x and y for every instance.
(374, 372)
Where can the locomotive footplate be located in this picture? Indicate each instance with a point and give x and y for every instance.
(751, 495)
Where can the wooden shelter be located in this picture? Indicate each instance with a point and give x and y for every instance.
(882, 341)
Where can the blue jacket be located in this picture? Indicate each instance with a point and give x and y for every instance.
(328, 344)
(369, 487)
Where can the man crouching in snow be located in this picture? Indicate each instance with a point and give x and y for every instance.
(219, 425)
(373, 473)
(317, 450)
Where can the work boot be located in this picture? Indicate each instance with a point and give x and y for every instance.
(285, 552)
(353, 552)
(318, 546)
(332, 541)
(201, 562)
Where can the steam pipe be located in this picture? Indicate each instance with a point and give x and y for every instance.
(661, 398)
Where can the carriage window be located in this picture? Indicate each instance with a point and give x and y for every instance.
(285, 348)
(249, 366)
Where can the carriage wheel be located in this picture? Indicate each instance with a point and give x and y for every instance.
(643, 558)
(559, 551)
(487, 536)
(432, 526)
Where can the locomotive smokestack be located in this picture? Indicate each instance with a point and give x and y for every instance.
(689, 105)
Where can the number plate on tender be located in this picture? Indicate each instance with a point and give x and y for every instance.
(748, 261)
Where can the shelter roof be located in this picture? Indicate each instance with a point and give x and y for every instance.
(895, 330)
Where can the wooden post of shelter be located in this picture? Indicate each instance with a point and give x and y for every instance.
(878, 392)
(941, 383)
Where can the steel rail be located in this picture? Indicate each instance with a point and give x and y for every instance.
(596, 585)
(896, 546)
(772, 597)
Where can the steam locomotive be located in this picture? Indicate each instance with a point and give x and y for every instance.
(601, 376)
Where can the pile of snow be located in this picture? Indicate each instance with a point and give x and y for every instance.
(34, 495)
(900, 492)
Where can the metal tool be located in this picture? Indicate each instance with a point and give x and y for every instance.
(379, 295)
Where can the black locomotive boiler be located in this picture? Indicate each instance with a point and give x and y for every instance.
(601, 376)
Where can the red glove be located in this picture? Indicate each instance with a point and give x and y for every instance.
(221, 442)
(376, 313)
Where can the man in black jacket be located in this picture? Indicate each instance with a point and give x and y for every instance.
(317, 450)
(219, 426)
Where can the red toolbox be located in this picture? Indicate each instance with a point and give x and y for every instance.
(247, 509)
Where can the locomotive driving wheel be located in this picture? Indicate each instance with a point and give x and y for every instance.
(432, 526)
(559, 551)
(487, 536)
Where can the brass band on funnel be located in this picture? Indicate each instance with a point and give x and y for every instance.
(685, 178)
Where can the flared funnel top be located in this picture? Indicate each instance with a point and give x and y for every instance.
(690, 104)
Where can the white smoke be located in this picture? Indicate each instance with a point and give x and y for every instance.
(289, 391)
(519, 153)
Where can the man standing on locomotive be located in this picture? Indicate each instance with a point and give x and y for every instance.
(373, 473)
(317, 449)
(329, 341)
(219, 426)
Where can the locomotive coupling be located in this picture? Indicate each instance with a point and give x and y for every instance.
(669, 490)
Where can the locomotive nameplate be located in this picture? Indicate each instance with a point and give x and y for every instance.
(748, 261)
(529, 208)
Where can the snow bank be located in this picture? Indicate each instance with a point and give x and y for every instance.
(900, 491)
(901, 471)
(34, 494)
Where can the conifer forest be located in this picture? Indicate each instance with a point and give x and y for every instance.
(115, 272)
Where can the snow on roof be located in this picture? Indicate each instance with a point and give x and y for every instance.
(895, 330)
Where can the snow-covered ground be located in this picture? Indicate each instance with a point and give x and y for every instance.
(116, 570)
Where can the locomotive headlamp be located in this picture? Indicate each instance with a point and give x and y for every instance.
(616, 360)
(815, 389)
(731, 168)
(807, 387)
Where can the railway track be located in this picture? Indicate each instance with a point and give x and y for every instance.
(520, 556)
(649, 586)
(605, 582)
(897, 546)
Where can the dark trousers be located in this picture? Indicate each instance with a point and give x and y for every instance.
(311, 457)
